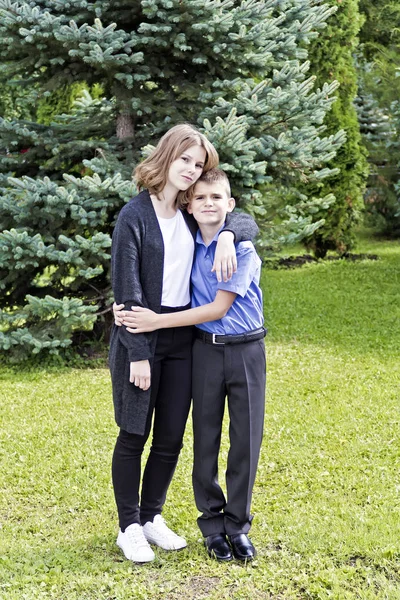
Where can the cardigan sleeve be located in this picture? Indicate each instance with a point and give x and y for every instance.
(127, 288)
(243, 226)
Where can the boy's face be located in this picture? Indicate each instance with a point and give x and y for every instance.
(210, 203)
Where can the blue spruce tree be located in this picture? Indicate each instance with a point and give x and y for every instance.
(236, 69)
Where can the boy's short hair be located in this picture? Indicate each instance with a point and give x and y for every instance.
(216, 176)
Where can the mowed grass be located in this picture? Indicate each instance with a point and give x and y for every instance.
(327, 497)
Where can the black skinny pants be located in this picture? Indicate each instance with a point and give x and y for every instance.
(171, 377)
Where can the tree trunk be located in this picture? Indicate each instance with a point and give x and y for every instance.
(125, 128)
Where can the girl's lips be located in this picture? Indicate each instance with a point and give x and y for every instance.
(187, 178)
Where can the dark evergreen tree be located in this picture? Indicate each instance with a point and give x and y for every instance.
(380, 30)
(332, 58)
(379, 132)
(237, 69)
(387, 205)
(378, 102)
(17, 102)
(380, 50)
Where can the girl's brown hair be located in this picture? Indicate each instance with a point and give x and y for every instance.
(152, 173)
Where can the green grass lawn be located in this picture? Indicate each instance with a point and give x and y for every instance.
(327, 498)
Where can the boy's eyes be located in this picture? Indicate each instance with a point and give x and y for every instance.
(214, 198)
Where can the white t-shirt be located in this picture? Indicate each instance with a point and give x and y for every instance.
(178, 260)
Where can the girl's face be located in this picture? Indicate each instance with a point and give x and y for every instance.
(187, 168)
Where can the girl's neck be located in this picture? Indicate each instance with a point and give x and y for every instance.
(165, 202)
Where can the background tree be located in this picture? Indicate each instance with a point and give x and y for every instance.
(17, 102)
(379, 90)
(237, 69)
(332, 58)
(380, 33)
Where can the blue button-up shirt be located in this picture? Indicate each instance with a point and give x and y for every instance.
(246, 313)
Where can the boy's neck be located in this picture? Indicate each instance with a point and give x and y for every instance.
(208, 232)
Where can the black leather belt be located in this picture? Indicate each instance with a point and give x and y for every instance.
(242, 338)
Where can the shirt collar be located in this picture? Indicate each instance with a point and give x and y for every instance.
(199, 239)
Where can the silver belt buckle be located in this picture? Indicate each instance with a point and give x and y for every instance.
(214, 341)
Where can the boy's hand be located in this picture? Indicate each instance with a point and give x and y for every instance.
(118, 313)
(225, 263)
(140, 320)
(140, 374)
(137, 320)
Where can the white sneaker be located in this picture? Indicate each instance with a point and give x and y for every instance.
(134, 545)
(158, 533)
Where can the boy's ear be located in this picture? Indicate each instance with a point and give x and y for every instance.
(189, 208)
(231, 204)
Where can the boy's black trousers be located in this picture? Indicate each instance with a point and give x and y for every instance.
(234, 375)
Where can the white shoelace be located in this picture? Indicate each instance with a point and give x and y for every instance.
(136, 537)
(163, 529)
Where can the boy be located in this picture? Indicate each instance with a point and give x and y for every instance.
(228, 360)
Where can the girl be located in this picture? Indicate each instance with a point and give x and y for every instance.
(152, 255)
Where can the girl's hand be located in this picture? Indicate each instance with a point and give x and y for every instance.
(225, 263)
(140, 320)
(118, 313)
(140, 374)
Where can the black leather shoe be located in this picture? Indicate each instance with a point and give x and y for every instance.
(218, 547)
(242, 547)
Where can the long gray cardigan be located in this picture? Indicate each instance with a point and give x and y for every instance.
(137, 260)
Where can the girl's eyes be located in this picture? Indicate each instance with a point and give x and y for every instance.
(186, 160)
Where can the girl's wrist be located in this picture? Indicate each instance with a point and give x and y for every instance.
(225, 231)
